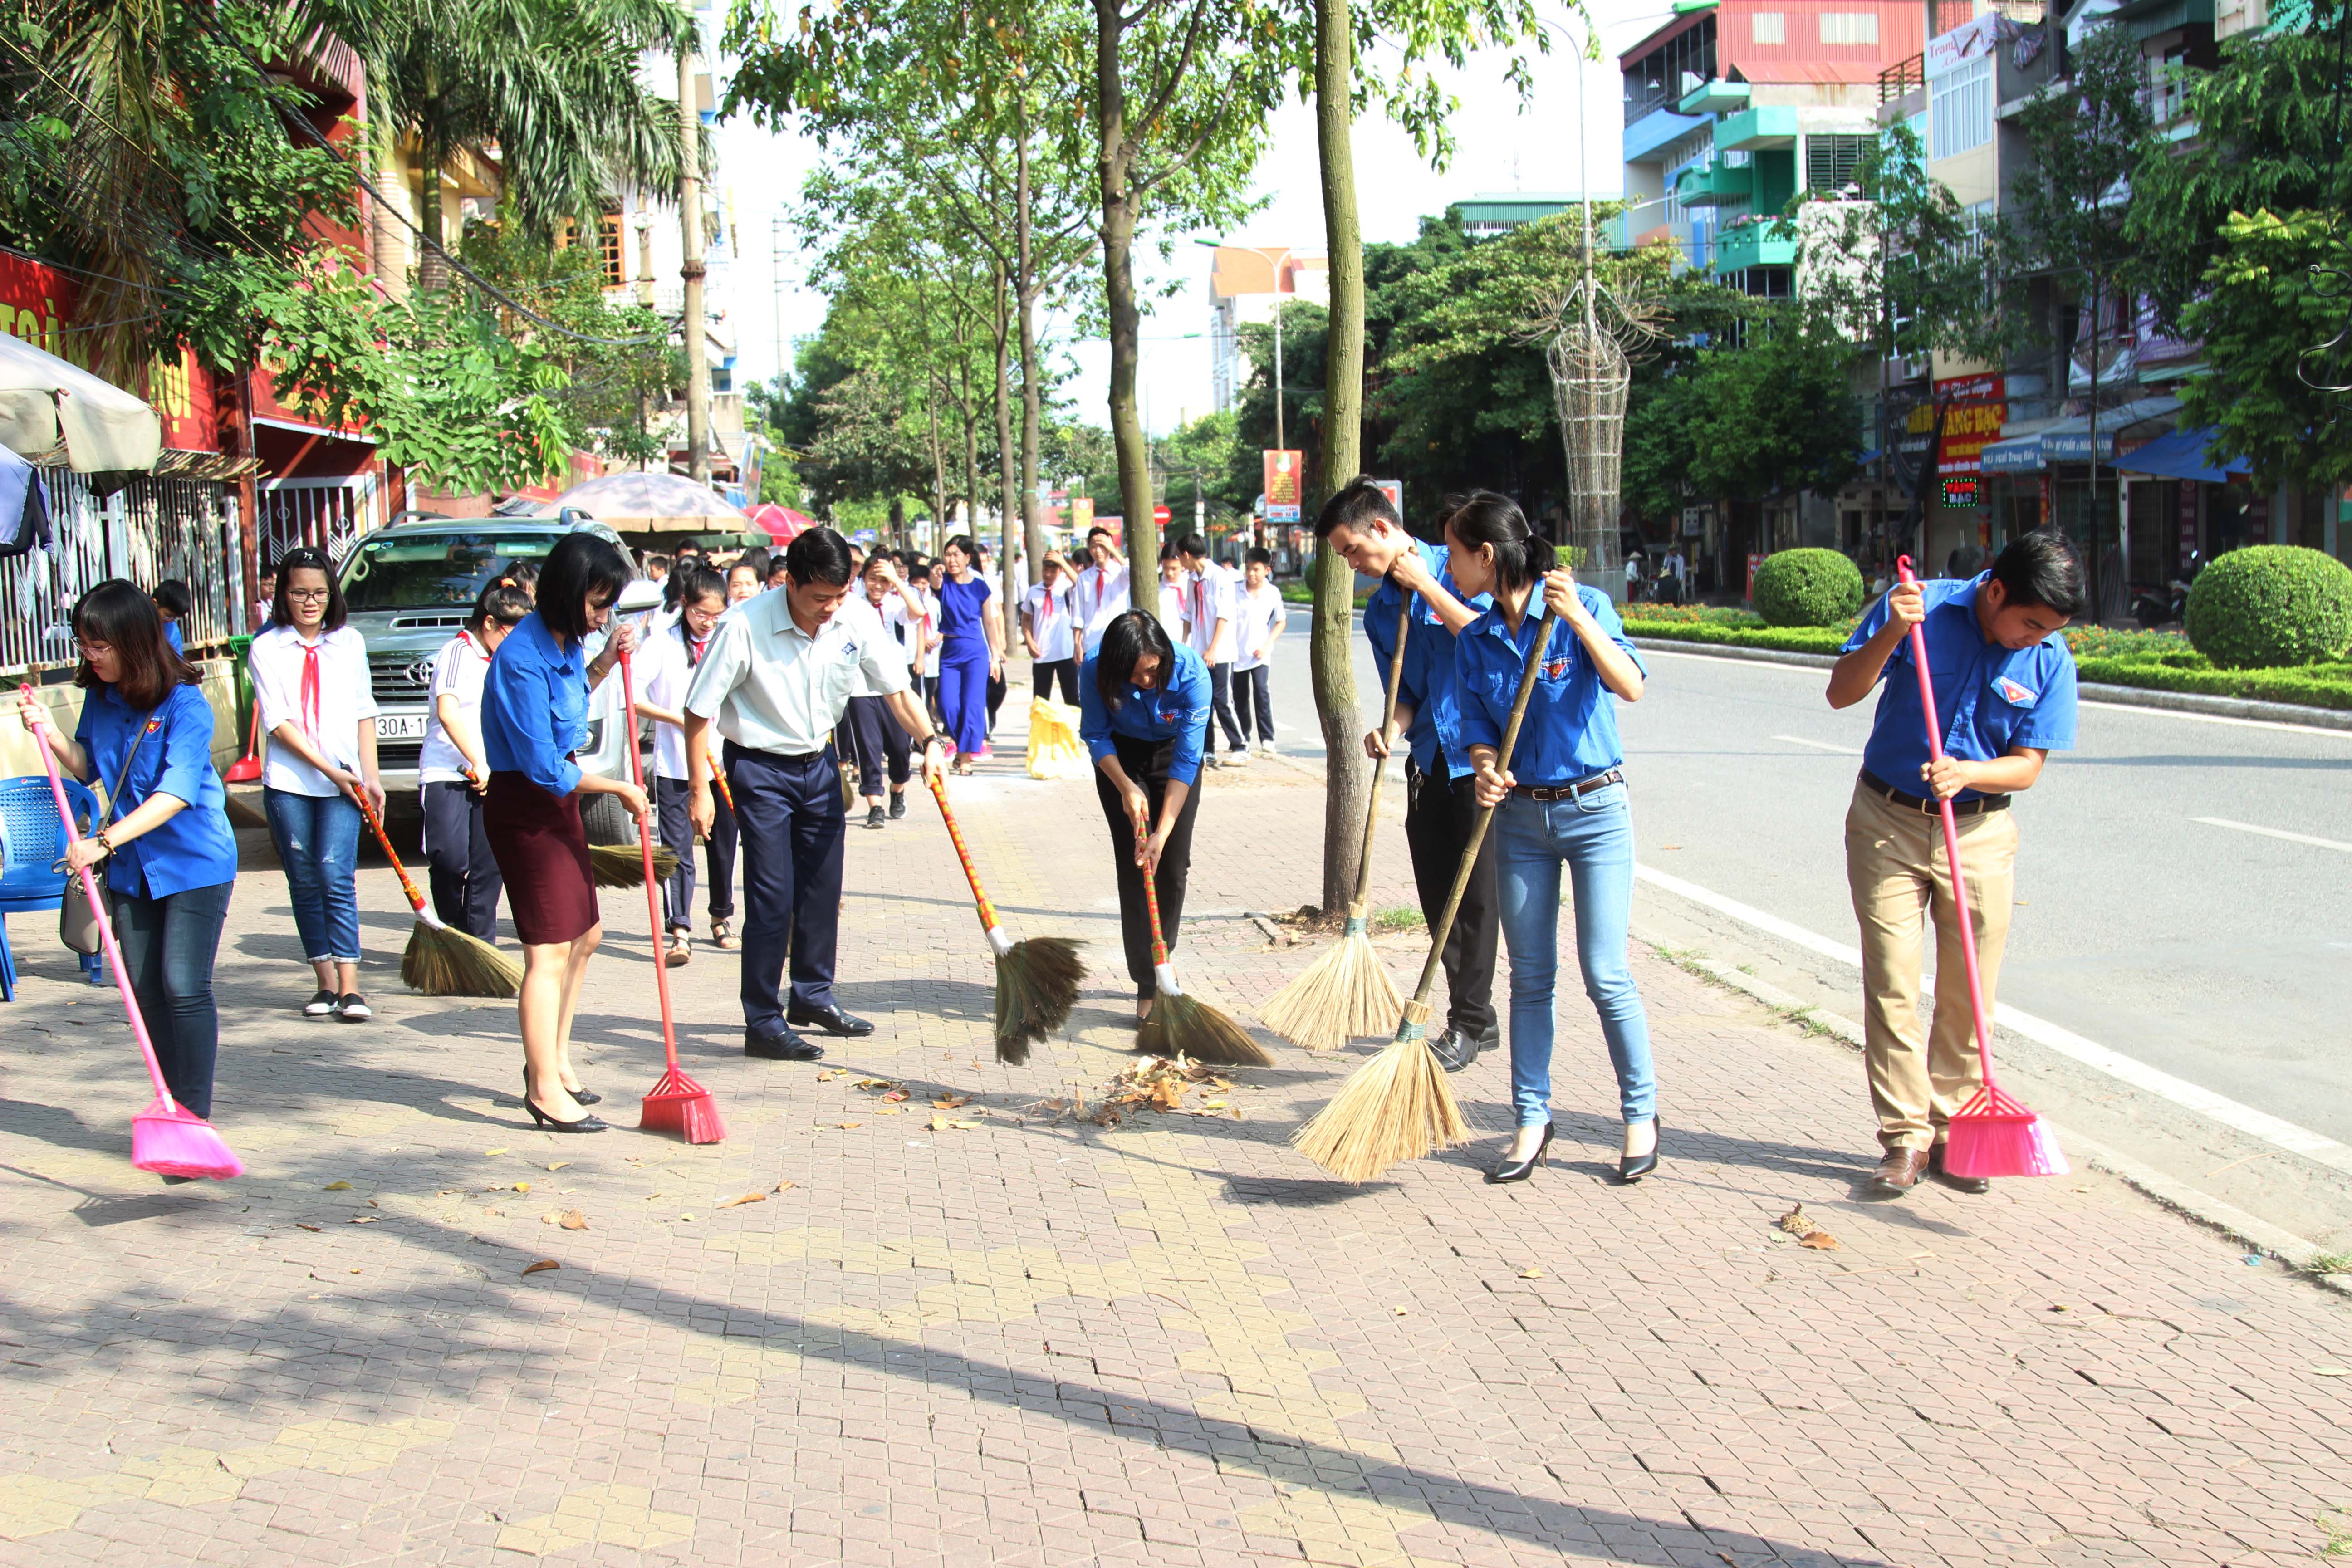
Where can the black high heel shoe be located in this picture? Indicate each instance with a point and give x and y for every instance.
(1631, 1168)
(1520, 1170)
(584, 1097)
(585, 1124)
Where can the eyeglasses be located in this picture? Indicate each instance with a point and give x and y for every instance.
(310, 596)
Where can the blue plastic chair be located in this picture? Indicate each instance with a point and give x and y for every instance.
(31, 842)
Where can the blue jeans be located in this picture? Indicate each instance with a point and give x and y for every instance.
(318, 841)
(168, 946)
(1594, 835)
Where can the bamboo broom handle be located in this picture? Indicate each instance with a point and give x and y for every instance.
(1379, 765)
(375, 826)
(1429, 968)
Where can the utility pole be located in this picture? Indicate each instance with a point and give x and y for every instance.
(690, 269)
(776, 279)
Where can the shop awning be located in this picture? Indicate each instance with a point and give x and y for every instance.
(2182, 456)
(2070, 440)
(2018, 454)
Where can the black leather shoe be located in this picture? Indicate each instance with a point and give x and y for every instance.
(832, 1020)
(1978, 1184)
(787, 1047)
(1520, 1170)
(584, 1096)
(1453, 1049)
(1631, 1168)
(898, 804)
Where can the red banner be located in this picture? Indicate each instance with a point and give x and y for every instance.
(1283, 473)
(38, 304)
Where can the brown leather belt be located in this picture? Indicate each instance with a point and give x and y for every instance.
(1976, 807)
(1569, 791)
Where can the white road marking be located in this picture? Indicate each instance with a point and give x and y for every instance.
(2065, 1042)
(1816, 670)
(2218, 719)
(2276, 833)
(1821, 746)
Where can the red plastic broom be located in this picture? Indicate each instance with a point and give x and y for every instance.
(166, 1138)
(676, 1104)
(1992, 1134)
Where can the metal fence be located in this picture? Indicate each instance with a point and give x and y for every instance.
(146, 532)
(330, 513)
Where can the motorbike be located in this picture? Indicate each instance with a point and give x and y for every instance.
(2153, 609)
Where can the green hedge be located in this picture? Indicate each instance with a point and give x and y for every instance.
(2272, 606)
(1807, 588)
(2153, 661)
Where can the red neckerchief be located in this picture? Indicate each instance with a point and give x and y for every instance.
(694, 645)
(312, 687)
(1045, 609)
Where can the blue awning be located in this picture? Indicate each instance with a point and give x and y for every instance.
(2181, 455)
(2018, 454)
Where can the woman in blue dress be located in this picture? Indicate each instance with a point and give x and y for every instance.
(971, 650)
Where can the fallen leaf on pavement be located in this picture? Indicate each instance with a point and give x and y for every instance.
(786, 1186)
(492, 1154)
(541, 1266)
(573, 1220)
(688, 1217)
(963, 1126)
(1796, 1222)
(558, 1165)
(1531, 1273)
(1819, 1241)
(551, 1216)
(300, 1225)
(950, 1101)
(845, 1126)
(1398, 1310)
(876, 1084)
(939, 1123)
(1669, 846)
(522, 1187)
(338, 1187)
(2331, 1371)
(892, 1110)
(746, 1198)
(364, 1218)
(895, 1094)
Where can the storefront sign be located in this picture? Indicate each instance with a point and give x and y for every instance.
(1948, 51)
(38, 304)
(2188, 522)
(1960, 491)
(1974, 408)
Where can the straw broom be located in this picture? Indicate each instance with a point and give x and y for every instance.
(1398, 1105)
(166, 1138)
(676, 1103)
(1347, 992)
(441, 961)
(1992, 1134)
(621, 864)
(1185, 1025)
(1036, 979)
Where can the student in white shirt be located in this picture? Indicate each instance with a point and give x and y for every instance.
(1259, 617)
(318, 707)
(1049, 626)
(1099, 593)
(934, 573)
(452, 775)
(1175, 595)
(878, 742)
(1214, 588)
(664, 665)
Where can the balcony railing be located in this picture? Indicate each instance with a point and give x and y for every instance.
(1902, 77)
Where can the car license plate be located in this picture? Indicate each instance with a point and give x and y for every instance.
(400, 726)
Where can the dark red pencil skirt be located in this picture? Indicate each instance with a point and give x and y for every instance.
(543, 855)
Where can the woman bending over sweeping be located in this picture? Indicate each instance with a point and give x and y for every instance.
(169, 855)
(1562, 799)
(534, 717)
(1144, 705)
(317, 705)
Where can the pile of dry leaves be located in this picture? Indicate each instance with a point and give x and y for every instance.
(1152, 1084)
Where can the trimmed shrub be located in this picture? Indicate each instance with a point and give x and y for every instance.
(2270, 606)
(1807, 588)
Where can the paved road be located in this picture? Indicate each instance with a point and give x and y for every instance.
(2216, 953)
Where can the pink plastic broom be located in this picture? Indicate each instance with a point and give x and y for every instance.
(677, 1103)
(166, 1138)
(1991, 1135)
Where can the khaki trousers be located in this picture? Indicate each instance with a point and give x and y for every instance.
(1895, 867)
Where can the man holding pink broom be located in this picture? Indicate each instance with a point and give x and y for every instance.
(2004, 687)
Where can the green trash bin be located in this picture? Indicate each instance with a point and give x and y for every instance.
(237, 648)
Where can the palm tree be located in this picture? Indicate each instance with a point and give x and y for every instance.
(551, 86)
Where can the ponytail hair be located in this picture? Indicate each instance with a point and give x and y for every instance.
(1483, 517)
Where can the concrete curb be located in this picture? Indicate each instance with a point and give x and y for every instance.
(2203, 1207)
(2119, 696)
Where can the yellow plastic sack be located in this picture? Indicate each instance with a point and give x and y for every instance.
(1054, 750)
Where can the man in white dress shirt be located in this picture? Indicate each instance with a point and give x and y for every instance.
(779, 673)
(1210, 622)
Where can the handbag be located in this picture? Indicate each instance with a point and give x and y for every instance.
(78, 924)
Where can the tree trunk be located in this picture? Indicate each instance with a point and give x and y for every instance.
(938, 468)
(690, 272)
(971, 441)
(1033, 388)
(1126, 318)
(1007, 508)
(1345, 768)
(432, 269)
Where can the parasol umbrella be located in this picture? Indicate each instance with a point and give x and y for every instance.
(781, 524)
(636, 502)
(44, 399)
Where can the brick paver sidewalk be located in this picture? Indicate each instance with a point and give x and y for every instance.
(992, 1332)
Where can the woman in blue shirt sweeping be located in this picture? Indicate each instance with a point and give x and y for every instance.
(146, 734)
(534, 717)
(1144, 703)
(1562, 799)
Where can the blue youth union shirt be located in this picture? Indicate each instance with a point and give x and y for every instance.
(1428, 679)
(1176, 709)
(197, 848)
(1992, 700)
(535, 707)
(1570, 731)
